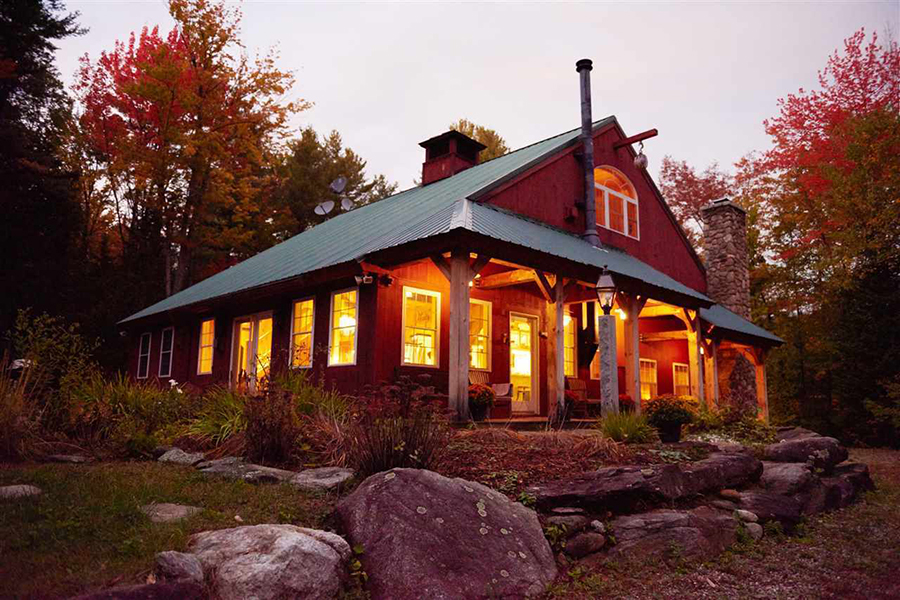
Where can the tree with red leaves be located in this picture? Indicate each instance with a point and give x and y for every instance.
(686, 191)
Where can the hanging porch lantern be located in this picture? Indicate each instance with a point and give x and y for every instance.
(606, 291)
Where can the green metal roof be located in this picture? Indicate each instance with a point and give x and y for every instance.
(428, 211)
(723, 318)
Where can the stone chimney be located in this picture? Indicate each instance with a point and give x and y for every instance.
(725, 243)
(448, 154)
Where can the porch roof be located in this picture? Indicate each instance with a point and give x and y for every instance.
(734, 323)
(416, 214)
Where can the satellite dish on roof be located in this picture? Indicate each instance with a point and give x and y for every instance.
(347, 204)
(324, 208)
(338, 185)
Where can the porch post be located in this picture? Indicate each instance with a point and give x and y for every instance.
(695, 341)
(713, 375)
(762, 392)
(560, 297)
(633, 307)
(609, 370)
(459, 334)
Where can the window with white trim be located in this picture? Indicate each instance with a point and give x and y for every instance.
(166, 347)
(681, 379)
(649, 387)
(342, 331)
(207, 339)
(144, 357)
(302, 333)
(569, 345)
(479, 335)
(421, 326)
(616, 201)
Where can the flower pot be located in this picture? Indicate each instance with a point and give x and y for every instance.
(669, 433)
(479, 412)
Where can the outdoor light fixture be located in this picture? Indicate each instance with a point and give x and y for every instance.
(640, 161)
(606, 291)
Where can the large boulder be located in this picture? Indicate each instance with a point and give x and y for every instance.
(617, 489)
(786, 478)
(786, 510)
(428, 536)
(720, 469)
(272, 561)
(839, 490)
(699, 533)
(821, 452)
(784, 434)
(173, 566)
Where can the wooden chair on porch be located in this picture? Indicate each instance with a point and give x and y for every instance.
(585, 407)
(502, 392)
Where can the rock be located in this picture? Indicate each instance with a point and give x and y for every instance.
(729, 494)
(448, 538)
(271, 561)
(567, 510)
(698, 533)
(839, 490)
(598, 526)
(172, 566)
(585, 543)
(260, 474)
(786, 478)
(755, 530)
(160, 450)
(773, 507)
(233, 467)
(721, 469)
(794, 433)
(572, 523)
(75, 459)
(618, 489)
(220, 463)
(723, 505)
(174, 590)
(164, 512)
(746, 516)
(13, 492)
(180, 457)
(822, 452)
(321, 479)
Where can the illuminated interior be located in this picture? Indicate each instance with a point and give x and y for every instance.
(479, 334)
(421, 321)
(252, 352)
(521, 359)
(681, 379)
(301, 343)
(569, 341)
(343, 329)
(207, 336)
(648, 379)
(617, 202)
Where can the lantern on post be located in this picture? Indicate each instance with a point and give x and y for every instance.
(606, 291)
(606, 329)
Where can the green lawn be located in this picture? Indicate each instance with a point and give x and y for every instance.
(87, 531)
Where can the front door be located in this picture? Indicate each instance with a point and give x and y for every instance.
(251, 352)
(523, 362)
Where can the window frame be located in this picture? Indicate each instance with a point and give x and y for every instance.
(162, 339)
(331, 328)
(312, 332)
(142, 354)
(212, 346)
(437, 336)
(574, 322)
(687, 369)
(490, 333)
(626, 200)
(655, 370)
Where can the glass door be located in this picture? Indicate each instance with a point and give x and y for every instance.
(251, 352)
(523, 354)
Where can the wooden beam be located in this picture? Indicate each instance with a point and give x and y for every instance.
(664, 336)
(506, 278)
(559, 292)
(441, 263)
(541, 280)
(459, 335)
(368, 267)
(640, 137)
(632, 305)
(661, 310)
(478, 265)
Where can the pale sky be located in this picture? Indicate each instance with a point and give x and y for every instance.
(389, 75)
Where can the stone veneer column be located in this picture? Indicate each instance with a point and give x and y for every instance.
(725, 244)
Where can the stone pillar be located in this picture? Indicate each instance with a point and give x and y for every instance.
(609, 369)
(725, 245)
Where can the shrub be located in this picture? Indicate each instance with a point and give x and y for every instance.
(19, 417)
(398, 427)
(669, 409)
(272, 426)
(481, 395)
(627, 427)
(626, 403)
(740, 425)
(222, 416)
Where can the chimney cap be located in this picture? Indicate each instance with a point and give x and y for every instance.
(453, 134)
(722, 203)
(584, 63)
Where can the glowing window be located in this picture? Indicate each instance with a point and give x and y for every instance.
(648, 379)
(342, 333)
(681, 379)
(144, 357)
(207, 337)
(569, 344)
(480, 335)
(421, 325)
(165, 351)
(617, 202)
(302, 333)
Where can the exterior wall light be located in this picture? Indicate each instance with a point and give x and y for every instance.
(606, 291)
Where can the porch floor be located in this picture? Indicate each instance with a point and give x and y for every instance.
(533, 423)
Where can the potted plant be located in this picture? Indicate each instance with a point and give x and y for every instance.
(481, 399)
(668, 413)
(626, 404)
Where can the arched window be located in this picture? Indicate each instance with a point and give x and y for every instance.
(617, 202)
